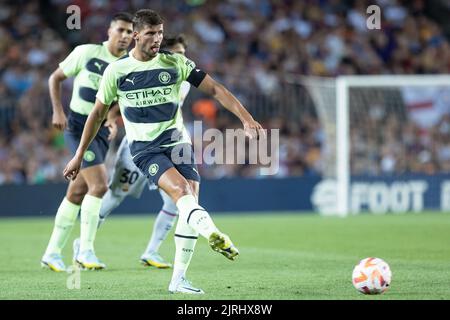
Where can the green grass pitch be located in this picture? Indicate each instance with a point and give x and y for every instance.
(283, 256)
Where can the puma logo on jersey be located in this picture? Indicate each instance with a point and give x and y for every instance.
(98, 65)
(130, 80)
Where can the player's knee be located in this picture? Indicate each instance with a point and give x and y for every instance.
(76, 195)
(98, 190)
(180, 190)
(75, 198)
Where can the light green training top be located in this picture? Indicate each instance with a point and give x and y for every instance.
(148, 94)
(86, 63)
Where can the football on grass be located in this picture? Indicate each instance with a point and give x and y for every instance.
(372, 276)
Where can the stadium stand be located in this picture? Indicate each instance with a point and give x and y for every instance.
(245, 44)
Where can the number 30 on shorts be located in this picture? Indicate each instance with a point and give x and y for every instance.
(129, 176)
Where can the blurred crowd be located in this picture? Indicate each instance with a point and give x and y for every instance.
(402, 146)
(247, 45)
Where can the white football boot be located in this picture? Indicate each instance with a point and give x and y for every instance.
(184, 286)
(88, 260)
(76, 249)
(155, 260)
(53, 262)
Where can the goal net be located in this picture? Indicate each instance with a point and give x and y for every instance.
(387, 143)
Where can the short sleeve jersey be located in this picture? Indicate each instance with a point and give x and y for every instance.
(149, 95)
(86, 63)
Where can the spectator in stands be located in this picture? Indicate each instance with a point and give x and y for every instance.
(270, 39)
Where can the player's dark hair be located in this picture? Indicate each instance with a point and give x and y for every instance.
(146, 17)
(171, 40)
(122, 16)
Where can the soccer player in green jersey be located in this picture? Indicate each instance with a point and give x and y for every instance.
(87, 64)
(127, 180)
(146, 83)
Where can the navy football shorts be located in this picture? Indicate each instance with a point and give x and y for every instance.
(154, 164)
(98, 148)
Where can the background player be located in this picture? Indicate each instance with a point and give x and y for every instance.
(147, 85)
(127, 180)
(86, 63)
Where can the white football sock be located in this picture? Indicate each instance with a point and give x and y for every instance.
(163, 224)
(195, 215)
(90, 209)
(110, 201)
(185, 240)
(64, 221)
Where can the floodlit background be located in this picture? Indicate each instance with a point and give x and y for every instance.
(384, 149)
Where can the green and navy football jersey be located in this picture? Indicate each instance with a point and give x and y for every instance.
(86, 63)
(148, 94)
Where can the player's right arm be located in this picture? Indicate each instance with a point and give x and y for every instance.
(67, 68)
(105, 97)
(59, 120)
(90, 130)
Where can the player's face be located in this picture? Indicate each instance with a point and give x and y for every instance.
(148, 40)
(120, 34)
(178, 48)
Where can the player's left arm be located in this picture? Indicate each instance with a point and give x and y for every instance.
(205, 83)
(114, 111)
(230, 102)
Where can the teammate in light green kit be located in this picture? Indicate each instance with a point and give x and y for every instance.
(147, 84)
(87, 64)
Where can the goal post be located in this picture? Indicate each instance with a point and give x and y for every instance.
(346, 102)
(342, 147)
